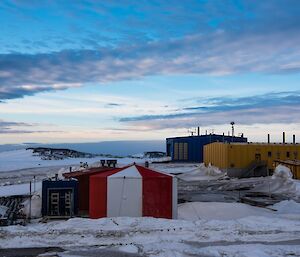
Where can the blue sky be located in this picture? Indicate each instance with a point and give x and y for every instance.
(78, 71)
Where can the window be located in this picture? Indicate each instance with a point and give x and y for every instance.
(269, 154)
(288, 154)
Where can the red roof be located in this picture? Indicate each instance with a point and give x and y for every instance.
(144, 172)
(90, 171)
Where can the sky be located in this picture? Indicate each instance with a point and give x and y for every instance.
(89, 71)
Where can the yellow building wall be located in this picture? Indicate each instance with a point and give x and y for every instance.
(215, 154)
(239, 155)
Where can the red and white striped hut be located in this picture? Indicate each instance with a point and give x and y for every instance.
(133, 191)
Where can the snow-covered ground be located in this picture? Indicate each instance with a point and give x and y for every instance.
(20, 189)
(202, 228)
(242, 231)
(20, 166)
(24, 159)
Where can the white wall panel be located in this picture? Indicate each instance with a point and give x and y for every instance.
(124, 196)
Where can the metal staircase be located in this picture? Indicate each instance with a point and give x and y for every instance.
(255, 169)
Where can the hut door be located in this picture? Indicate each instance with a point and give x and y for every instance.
(60, 202)
(54, 203)
(124, 197)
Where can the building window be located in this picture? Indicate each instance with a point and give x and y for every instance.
(278, 155)
(269, 154)
(288, 154)
(295, 155)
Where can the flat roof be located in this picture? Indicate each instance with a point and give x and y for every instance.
(255, 143)
(208, 135)
(89, 171)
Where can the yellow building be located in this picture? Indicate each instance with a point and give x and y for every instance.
(248, 159)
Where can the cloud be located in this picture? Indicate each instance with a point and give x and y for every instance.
(12, 127)
(206, 37)
(280, 107)
(111, 105)
(220, 54)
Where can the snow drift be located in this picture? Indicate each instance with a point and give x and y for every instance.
(201, 172)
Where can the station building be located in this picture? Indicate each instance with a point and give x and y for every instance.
(190, 148)
(249, 159)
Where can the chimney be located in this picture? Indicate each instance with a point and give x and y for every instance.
(198, 130)
(283, 137)
(294, 139)
(268, 138)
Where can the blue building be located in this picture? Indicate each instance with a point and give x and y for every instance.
(60, 198)
(190, 148)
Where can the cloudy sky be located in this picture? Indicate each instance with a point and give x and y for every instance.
(82, 71)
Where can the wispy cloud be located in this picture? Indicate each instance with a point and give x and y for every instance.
(280, 107)
(12, 127)
(112, 105)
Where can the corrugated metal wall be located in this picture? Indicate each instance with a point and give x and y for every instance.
(241, 155)
(190, 149)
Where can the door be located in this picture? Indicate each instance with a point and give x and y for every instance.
(124, 197)
(60, 202)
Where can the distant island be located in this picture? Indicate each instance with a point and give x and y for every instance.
(49, 153)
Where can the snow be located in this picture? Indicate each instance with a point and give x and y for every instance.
(202, 173)
(219, 211)
(287, 206)
(23, 159)
(281, 182)
(282, 171)
(249, 250)
(258, 233)
(36, 206)
(21, 189)
(202, 228)
(175, 168)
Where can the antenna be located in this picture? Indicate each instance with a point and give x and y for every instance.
(191, 132)
(232, 127)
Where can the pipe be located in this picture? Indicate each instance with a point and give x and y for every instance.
(294, 139)
(283, 137)
(268, 138)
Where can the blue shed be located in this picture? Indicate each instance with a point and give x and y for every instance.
(190, 148)
(60, 198)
